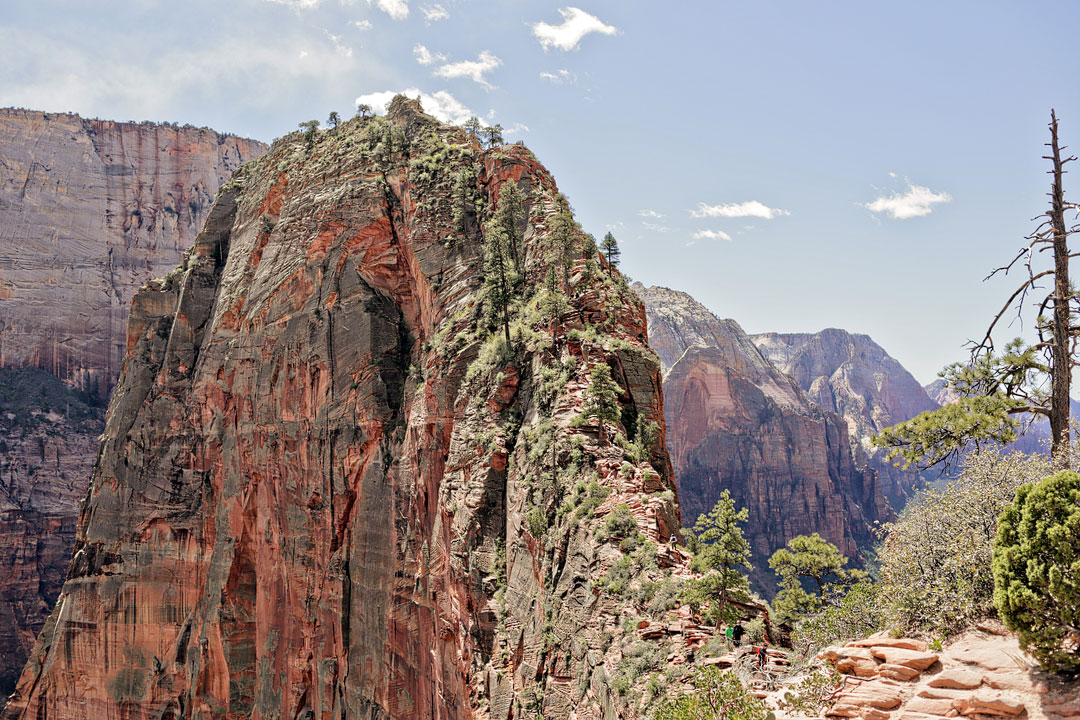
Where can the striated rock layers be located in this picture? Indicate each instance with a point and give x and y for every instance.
(851, 375)
(327, 489)
(736, 422)
(89, 211)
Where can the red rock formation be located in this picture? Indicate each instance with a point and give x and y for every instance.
(326, 490)
(736, 422)
(852, 376)
(89, 210)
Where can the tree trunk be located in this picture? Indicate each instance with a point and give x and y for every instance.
(1061, 366)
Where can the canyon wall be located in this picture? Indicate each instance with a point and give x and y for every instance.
(736, 422)
(851, 375)
(328, 488)
(89, 211)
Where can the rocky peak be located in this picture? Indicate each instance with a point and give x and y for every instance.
(736, 422)
(851, 375)
(327, 488)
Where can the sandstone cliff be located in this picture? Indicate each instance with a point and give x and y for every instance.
(851, 375)
(327, 489)
(89, 210)
(736, 422)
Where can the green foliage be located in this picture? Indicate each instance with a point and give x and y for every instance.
(500, 276)
(810, 558)
(992, 389)
(536, 522)
(859, 613)
(464, 198)
(620, 523)
(722, 551)
(602, 397)
(509, 215)
(1036, 566)
(363, 110)
(334, 119)
(610, 247)
(493, 134)
(812, 694)
(311, 132)
(716, 695)
(935, 560)
(564, 236)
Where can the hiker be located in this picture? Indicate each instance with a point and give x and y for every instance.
(736, 635)
(760, 651)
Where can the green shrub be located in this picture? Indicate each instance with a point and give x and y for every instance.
(935, 559)
(812, 694)
(619, 523)
(860, 613)
(716, 696)
(1036, 570)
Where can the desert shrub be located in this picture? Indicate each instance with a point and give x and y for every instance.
(812, 694)
(619, 523)
(859, 613)
(935, 559)
(1036, 570)
(716, 695)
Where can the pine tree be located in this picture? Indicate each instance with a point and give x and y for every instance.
(463, 197)
(811, 558)
(553, 304)
(511, 211)
(472, 126)
(334, 119)
(994, 387)
(723, 551)
(602, 398)
(499, 276)
(311, 131)
(611, 251)
(363, 110)
(494, 135)
(564, 234)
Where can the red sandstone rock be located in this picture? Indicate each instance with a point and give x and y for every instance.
(287, 523)
(908, 658)
(988, 702)
(956, 678)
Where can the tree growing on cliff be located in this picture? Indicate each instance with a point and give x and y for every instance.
(564, 235)
(493, 134)
(723, 550)
(717, 695)
(363, 110)
(815, 559)
(602, 398)
(499, 275)
(1037, 573)
(472, 127)
(511, 211)
(610, 247)
(311, 132)
(553, 304)
(996, 386)
(334, 119)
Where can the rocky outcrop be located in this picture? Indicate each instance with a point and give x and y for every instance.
(327, 489)
(48, 441)
(89, 211)
(851, 375)
(736, 422)
(982, 673)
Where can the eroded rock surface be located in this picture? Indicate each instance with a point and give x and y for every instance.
(326, 490)
(736, 422)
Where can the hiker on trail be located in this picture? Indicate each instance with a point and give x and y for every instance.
(760, 651)
(736, 635)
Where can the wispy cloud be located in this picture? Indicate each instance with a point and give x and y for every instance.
(576, 24)
(434, 13)
(711, 235)
(362, 24)
(655, 227)
(472, 69)
(751, 208)
(298, 5)
(559, 77)
(425, 56)
(339, 47)
(650, 214)
(397, 9)
(917, 201)
(441, 104)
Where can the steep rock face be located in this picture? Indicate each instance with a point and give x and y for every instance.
(736, 422)
(89, 211)
(327, 490)
(851, 375)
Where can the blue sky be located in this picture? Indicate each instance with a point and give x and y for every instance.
(793, 165)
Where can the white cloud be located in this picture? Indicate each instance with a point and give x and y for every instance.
(711, 235)
(474, 69)
(751, 208)
(425, 56)
(559, 77)
(298, 5)
(397, 9)
(517, 128)
(362, 24)
(576, 24)
(655, 227)
(650, 214)
(339, 47)
(434, 13)
(441, 104)
(916, 202)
